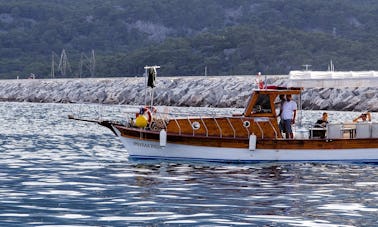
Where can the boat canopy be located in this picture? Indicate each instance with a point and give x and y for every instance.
(333, 79)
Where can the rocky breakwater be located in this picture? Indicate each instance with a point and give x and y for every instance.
(230, 91)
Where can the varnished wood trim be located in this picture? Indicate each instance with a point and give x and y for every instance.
(230, 142)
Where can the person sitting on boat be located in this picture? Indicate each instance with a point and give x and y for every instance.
(321, 123)
(363, 117)
(289, 112)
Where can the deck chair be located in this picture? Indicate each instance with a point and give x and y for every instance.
(374, 130)
(334, 131)
(363, 130)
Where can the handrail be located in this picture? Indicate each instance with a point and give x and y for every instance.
(178, 125)
(222, 126)
(204, 125)
(261, 130)
(232, 127)
(220, 130)
(190, 123)
(183, 114)
(245, 127)
(274, 130)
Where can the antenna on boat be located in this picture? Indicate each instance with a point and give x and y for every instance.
(307, 66)
(149, 80)
(331, 66)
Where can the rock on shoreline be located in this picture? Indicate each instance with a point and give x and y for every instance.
(222, 91)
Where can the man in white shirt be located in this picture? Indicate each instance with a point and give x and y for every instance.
(289, 112)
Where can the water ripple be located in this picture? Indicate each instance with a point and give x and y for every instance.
(57, 172)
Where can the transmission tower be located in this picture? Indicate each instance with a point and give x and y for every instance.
(89, 63)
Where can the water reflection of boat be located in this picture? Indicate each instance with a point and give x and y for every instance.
(253, 135)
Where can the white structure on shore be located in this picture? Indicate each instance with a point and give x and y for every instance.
(333, 79)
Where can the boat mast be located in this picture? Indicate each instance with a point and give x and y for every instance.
(149, 81)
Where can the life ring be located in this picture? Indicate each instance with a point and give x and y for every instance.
(147, 111)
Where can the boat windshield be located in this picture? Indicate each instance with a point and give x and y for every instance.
(262, 104)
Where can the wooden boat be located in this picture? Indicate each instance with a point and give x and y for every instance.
(253, 135)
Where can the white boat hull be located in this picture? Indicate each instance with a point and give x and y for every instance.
(151, 149)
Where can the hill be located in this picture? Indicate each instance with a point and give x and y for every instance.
(185, 36)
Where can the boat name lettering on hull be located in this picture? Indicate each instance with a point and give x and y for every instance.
(146, 145)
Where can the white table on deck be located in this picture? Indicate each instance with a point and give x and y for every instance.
(312, 129)
(352, 131)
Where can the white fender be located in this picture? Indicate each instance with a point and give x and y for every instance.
(252, 142)
(163, 138)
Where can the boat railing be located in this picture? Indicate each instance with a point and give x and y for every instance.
(160, 121)
(204, 125)
(256, 120)
(274, 130)
(190, 123)
(232, 127)
(246, 128)
(178, 126)
(261, 130)
(220, 129)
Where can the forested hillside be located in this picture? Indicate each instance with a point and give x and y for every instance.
(185, 36)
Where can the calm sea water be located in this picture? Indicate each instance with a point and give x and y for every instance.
(59, 172)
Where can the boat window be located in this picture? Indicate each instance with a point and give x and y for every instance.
(262, 104)
(196, 125)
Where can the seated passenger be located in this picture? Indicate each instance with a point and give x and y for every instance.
(321, 123)
(363, 117)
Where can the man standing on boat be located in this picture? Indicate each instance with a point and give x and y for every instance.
(289, 112)
(281, 122)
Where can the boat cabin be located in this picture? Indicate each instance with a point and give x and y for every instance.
(262, 103)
